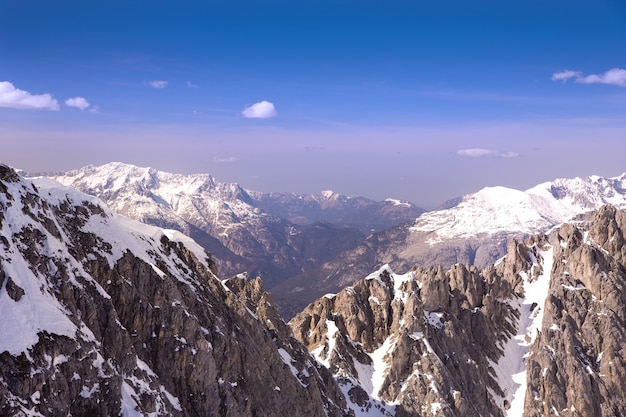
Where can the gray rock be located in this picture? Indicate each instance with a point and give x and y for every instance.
(576, 365)
(155, 331)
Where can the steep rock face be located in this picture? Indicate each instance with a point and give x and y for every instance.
(101, 315)
(576, 366)
(540, 332)
(423, 343)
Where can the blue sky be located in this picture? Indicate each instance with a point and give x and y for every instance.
(415, 100)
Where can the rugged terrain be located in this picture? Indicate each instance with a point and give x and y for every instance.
(102, 315)
(539, 333)
(329, 207)
(275, 236)
(474, 230)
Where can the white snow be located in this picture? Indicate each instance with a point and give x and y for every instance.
(172, 399)
(499, 209)
(36, 311)
(435, 319)
(331, 334)
(396, 202)
(511, 368)
(87, 392)
(376, 275)
(380, 366)
(129, 406)
(288, 360)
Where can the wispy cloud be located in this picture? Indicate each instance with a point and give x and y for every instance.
(314, 148)
(479, 152)
(566, 75)
(158, 84)
(77, 102)
(614, 76)
(260, 110)
(190, 84)
(19, 99)
(227, 160)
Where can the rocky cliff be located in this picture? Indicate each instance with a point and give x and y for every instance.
(540, 332)
(101, 315)
(416, 344)
(576, 366)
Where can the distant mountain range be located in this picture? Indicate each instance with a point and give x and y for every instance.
(304, 246)
(103, 315)
(474, 231)
(329, 207)
(245, 230)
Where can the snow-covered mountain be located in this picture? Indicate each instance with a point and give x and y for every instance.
(495, 210)
(101, 315)
(474, 231)
(232, 223)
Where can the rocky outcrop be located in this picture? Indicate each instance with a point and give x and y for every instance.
(576, 366)
(422, 343)
(541, 332)
(100, 315)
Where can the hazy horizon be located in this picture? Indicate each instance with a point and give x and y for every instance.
(417, 101)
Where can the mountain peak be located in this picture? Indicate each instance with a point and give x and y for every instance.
(103, 315)
(499, 209)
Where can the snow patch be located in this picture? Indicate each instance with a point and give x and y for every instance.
(511, 368)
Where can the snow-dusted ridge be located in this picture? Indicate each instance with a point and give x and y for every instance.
(494, 210)
(510, 369)
(38, 310)
(103, 315)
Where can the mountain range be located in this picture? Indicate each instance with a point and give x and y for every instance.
(475, 231)
(275, 236)
(103, 315)
(304, 246)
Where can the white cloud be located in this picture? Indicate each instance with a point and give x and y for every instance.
(614, 76)
(478, 152)
(19, 99)
(191, 85)
(225, 160)
(565, 75)
(260, 110)
(78, 102)
(158, 84)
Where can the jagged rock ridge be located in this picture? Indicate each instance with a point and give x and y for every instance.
(101, 315)
(539, 333)
(576, 365)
